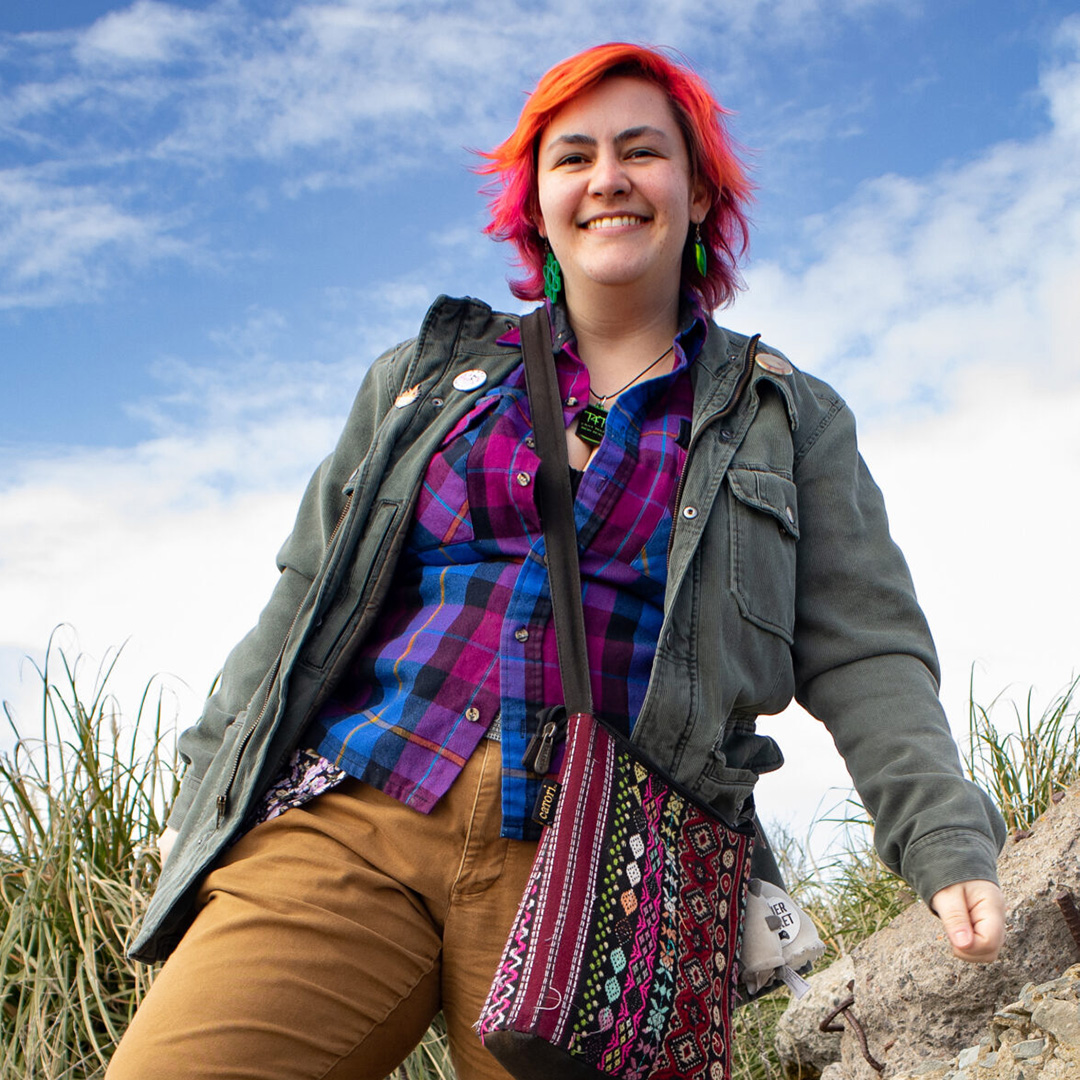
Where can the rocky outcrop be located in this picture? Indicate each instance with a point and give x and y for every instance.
(1034, 1038)
(920, 1008)
(804, 1049)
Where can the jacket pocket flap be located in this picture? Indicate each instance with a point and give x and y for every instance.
(769, 493)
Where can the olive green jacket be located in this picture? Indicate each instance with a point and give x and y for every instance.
(782, 581)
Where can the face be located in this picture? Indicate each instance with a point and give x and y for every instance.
(616, 196)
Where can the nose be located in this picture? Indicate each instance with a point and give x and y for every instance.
(609, 176)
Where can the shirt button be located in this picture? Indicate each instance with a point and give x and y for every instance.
(530, 442)
(521, 634)
(570, 402)
(689, 512)
(472, 713)
(523, 478)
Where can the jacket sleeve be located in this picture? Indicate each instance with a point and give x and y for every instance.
(298, 562)
(866, 666)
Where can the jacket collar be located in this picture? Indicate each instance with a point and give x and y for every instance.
(719, 386)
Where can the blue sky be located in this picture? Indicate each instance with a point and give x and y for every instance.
(213, 215)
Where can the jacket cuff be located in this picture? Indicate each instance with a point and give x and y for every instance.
(946, 857)
(189, 788)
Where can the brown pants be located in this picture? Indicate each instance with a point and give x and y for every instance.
(329, 937)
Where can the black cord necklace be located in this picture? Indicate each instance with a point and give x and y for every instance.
(592, 420)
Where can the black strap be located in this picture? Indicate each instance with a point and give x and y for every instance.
(556, 504)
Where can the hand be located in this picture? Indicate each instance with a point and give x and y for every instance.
(165, 843)
(973, 914)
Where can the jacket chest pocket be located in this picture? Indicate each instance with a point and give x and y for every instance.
(764, 529)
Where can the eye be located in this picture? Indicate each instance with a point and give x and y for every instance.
(571, 159)
(642, 152)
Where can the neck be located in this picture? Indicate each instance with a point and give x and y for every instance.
(617, 335)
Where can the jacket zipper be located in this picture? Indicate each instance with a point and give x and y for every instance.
(238, 753)
(736, 396)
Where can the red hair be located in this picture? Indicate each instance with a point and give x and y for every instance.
(514, 202)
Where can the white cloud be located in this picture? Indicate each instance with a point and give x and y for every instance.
(899, 290)
(946, 311)
(944, 308)
(146, 33)
(319, 94)
(59, 242)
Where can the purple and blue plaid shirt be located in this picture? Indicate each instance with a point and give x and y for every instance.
(468, 643)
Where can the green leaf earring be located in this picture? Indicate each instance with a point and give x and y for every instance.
(700, 257)
(552, 277)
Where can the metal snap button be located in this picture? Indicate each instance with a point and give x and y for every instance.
(689, 512)
(472, 713)
(437, 402)
(521, 634)
(524, 479)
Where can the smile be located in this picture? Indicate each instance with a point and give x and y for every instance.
(614, 222)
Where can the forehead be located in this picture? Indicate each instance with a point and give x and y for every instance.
(613, 106)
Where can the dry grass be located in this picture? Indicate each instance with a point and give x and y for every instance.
(83, 798)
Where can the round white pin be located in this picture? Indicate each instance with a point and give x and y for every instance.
(470, 380)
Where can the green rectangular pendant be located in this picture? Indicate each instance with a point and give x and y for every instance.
(591, 422)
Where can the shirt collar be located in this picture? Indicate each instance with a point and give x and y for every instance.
(693, 330)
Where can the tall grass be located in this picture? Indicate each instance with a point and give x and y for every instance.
(1024, 766)
(82, 801)
(84, 796)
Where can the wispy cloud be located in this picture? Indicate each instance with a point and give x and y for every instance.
(944, 307)
(321, 95)
(913, 281)
(58, 241)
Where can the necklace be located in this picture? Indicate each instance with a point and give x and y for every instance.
(592, 420)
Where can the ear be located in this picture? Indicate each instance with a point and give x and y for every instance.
(700, 203)
(538, 221)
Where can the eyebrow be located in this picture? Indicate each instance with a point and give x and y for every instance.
(623, 137)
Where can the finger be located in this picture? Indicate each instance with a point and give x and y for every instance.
(973, 914)
(952, 909)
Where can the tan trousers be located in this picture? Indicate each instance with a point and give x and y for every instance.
(329, 937)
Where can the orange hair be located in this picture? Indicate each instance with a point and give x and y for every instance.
(514, 201)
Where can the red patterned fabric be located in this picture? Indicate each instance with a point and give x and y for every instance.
(621, 962)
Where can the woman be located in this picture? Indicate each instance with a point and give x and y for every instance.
(353, 827)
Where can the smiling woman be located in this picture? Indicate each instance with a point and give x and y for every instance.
(354, 830)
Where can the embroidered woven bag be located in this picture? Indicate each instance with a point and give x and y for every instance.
(622, 958)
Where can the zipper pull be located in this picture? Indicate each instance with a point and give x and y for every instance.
(222, 805)
(349, 487)
(537, 756)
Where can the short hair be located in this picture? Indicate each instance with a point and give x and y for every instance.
(513, 191)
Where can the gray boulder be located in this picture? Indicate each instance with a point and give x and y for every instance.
(920, 1008)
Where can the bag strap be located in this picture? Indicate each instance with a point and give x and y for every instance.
(556, 503)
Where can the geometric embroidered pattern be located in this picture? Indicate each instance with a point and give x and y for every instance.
(622, 959)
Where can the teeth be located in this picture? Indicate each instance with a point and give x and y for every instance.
(614, 222)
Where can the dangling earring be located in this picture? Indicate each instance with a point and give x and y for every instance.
(699, 251)
(552, 276)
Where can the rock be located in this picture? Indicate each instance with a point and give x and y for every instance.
(1017, 1047)
(912, 997)
(1030, 1048)
(1060, 1018)
(967, 1057)
(835, 1071)
(804, 1049)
